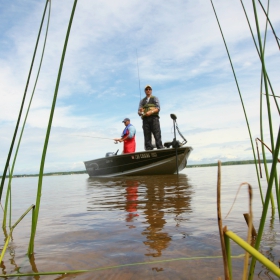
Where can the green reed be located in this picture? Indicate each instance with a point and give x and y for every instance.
(36, 208)
(275, 149)
(41, 173)
(21, 108)
(241, 99)
(8, 194)
(272, 177)
(261, 99)
(9, 236)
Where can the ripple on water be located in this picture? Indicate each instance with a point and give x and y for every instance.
(87, 223)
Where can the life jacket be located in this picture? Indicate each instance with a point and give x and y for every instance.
(151, 105)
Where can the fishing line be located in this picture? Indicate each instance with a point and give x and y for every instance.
(116, 142)
(114, 266)
(94, 137)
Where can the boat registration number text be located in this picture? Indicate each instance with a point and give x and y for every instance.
(144, 156)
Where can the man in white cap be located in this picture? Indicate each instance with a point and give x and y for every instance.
(128, 137)
(149, 108)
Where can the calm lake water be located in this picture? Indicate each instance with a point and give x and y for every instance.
(148, 227)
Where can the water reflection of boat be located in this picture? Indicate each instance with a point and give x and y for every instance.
(155, 162)
(155, 205)
(166, 202)
(131, 200)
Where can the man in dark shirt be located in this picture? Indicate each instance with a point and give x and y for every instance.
(149, 108)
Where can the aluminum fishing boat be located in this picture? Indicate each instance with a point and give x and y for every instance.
(155, 162)
(172, 159)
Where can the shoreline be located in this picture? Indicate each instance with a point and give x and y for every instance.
(239, 162)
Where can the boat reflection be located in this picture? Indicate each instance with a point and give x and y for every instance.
(155, 205)
(165, 201)
(131, 200)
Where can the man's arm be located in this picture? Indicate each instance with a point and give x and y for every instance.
(140, 107)
(157, 104)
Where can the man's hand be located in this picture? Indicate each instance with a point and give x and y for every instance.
(150, 112)
(140, 112)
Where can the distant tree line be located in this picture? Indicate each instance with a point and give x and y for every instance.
(238, 162)
(51, 174)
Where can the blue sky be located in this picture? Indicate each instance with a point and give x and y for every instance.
(180, 53)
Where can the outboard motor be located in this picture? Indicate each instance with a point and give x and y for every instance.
(110, 154)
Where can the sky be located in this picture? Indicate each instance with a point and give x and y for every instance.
(115, 48)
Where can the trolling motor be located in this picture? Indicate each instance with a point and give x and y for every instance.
(175, 143)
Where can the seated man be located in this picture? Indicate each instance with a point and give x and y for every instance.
(128, 137)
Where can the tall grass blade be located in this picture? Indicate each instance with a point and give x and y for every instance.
(267, 99)
(40, 181)
(271, 26)
(11, 231)
(21, 108)
(8, 194)
(259, 56)
(220, 224)
(266, 203)
(241, 99)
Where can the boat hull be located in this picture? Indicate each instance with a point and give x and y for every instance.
(155, 162)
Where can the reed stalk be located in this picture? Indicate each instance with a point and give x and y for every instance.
(228, 252)
(255, 253)
(271, 26)
(266, 204)
(41, 174)
(8, 194)
(270, 86)
(241, 99)
(11, 231)
(249, 234)
(220, 224)
(21, 108)
(267, 100)
(8, 199)
(261, 118)
(275, 150)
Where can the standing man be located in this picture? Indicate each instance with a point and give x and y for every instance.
(128, 137)
(149, 108)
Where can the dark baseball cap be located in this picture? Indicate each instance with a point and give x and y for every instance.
(126, 119)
